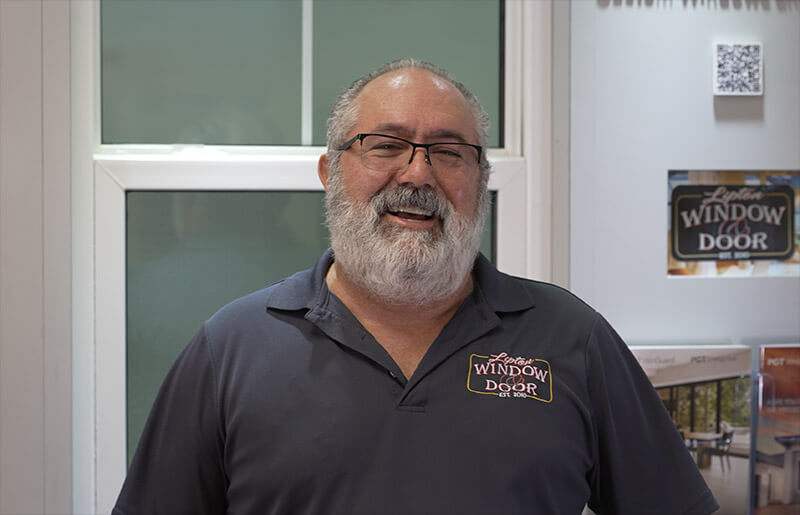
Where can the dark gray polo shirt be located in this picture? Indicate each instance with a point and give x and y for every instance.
(527, 402)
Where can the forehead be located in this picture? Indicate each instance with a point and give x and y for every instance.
(416, 104)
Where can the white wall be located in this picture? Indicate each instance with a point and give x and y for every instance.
(35, 326)
(642, 104)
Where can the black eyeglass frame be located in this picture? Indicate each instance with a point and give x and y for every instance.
(414, 146)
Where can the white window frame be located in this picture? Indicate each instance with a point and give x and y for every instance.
(99, 399)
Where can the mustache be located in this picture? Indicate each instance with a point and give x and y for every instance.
(424, 198)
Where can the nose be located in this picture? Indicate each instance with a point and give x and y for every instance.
(419, 171)
(424, 153)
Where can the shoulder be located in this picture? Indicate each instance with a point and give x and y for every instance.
(240, 312)
(510, 292)
(540, 300)
(247, 319)
(556, 297)
(295, 293)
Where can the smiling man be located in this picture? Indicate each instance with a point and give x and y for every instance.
(405, 218)
(403, 373)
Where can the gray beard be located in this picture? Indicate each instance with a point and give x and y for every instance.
(398, 265)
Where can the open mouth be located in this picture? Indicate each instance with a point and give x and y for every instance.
(411, 213)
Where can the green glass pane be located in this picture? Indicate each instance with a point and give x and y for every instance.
(211, 71)
(354, 37)
(735, 402)
(683, 418)
(189, 253)
(488, 245)
(705, 407)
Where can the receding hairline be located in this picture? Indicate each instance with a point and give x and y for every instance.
(415, 70)
(345, 112)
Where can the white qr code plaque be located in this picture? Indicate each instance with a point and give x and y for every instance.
(738, 69)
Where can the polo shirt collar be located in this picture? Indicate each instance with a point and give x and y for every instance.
(494, 293)
(307, 289)
(503, 293)
(302, 290)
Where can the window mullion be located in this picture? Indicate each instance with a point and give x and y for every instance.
(306, 79)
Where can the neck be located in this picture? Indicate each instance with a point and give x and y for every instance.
(361, 301)
(405, 331)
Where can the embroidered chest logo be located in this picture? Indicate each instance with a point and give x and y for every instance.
(506, 376)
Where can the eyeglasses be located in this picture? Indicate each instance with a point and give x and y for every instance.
(384, 153)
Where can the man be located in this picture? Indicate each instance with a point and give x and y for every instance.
(404, 373)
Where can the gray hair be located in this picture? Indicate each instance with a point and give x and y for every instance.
(345, 110)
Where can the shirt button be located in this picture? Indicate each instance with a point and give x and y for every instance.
(392, 375)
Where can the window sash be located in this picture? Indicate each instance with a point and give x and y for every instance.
(99, 393)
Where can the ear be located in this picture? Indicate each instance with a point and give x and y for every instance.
(323, 170)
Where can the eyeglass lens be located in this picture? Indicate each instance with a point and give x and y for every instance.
(387, 154)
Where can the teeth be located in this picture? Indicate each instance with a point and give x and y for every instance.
(413, 211)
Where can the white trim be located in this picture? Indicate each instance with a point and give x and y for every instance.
(508, 180)
(23, 446)
(514, 66)
(35, 262)
(84, 94)
(560, 223)
(307, 77)
(217, 168)
(537, 146)
(118, 169)
(57, 269)
(110, 338)
(114, 176)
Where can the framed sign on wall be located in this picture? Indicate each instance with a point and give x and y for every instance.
(733, 223)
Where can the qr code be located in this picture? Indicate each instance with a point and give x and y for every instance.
(738, 69)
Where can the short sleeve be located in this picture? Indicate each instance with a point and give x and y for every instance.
(178, 465)
(642, 465)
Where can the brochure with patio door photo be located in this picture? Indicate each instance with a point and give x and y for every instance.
(777, 468)
(707, 391)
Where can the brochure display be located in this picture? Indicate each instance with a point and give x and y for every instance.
(707, 391)
(777, 468)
